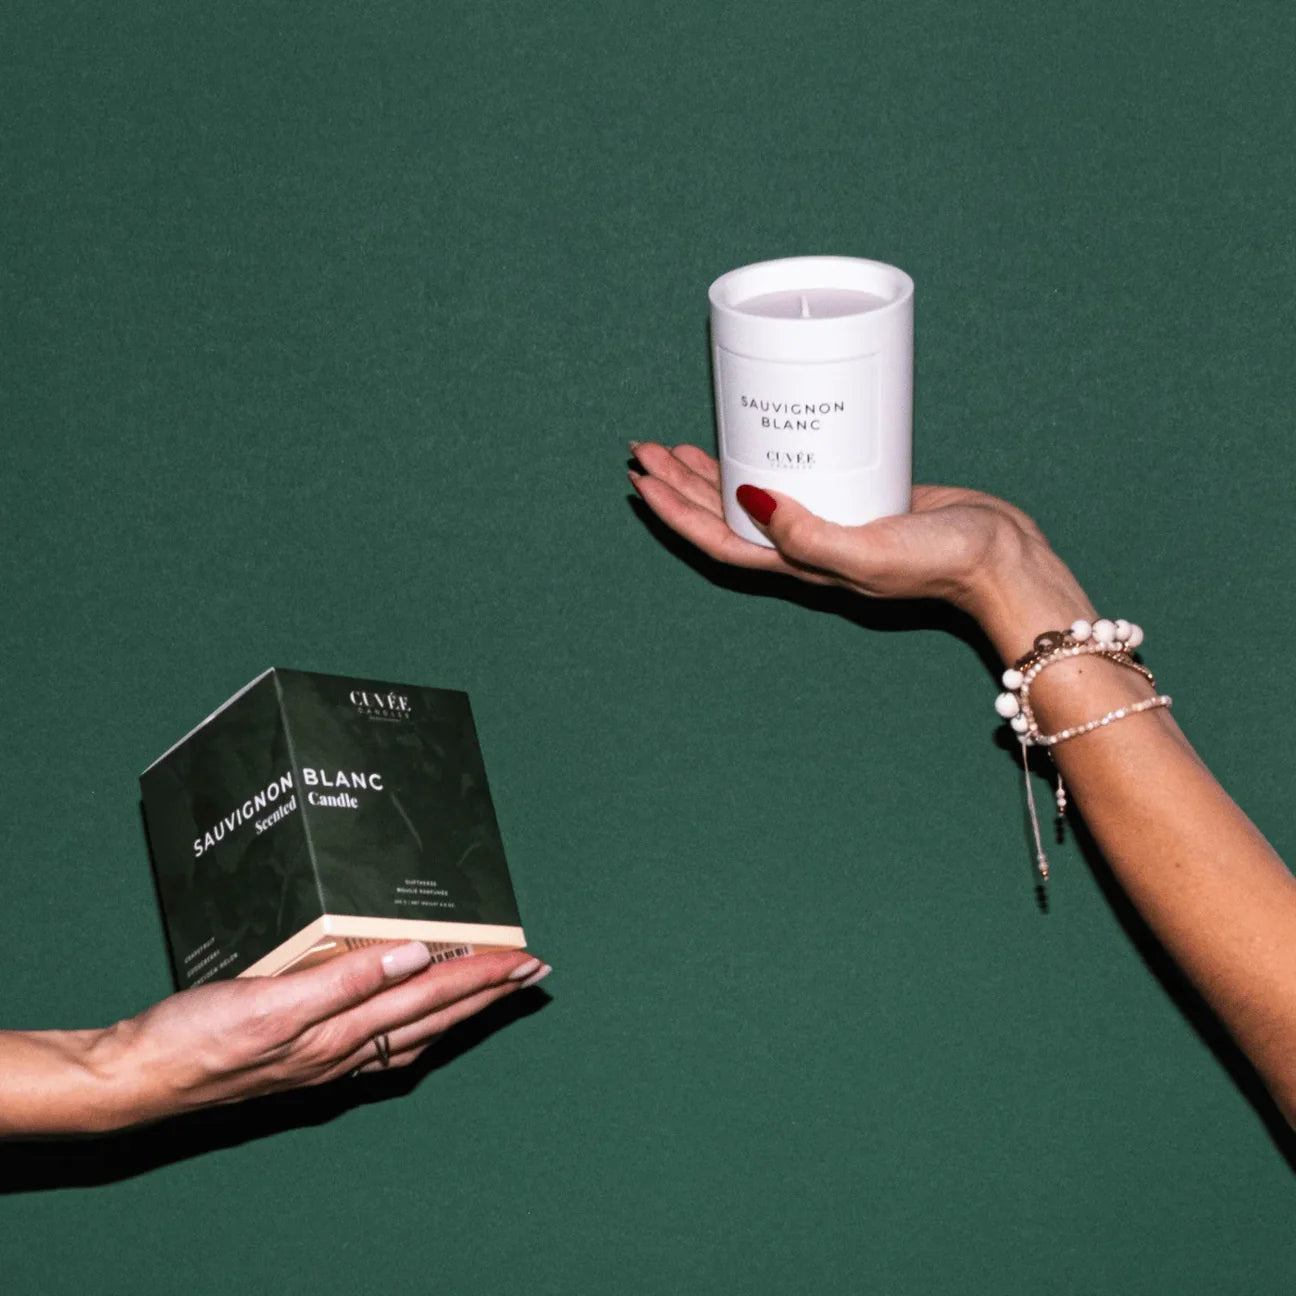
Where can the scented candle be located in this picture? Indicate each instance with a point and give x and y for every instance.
(813, 363)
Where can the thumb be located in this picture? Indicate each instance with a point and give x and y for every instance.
(803, 537)
(342, 982)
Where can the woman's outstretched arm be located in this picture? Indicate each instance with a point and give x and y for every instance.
(233, 1040)
(1199, 871)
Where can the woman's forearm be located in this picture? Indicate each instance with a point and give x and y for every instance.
(59, 1082)
(1198, 870)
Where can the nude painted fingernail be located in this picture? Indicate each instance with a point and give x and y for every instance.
(406, 960)
(524, 969)
(537, 976)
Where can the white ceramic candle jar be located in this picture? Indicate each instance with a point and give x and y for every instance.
(814, 386)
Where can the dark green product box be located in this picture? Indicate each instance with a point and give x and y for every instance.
(313, 814)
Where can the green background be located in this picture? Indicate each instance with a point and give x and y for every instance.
(325, 327)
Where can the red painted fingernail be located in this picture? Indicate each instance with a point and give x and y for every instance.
(760, 504)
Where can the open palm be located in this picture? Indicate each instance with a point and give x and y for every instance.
(934, 551)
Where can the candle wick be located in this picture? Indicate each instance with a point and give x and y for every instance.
(805, 307)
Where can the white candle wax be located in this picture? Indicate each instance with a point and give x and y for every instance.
(812, 303)
(814, 386)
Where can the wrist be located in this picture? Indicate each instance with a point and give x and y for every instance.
(1023, 589)
(93, 1097)
(116, 1092)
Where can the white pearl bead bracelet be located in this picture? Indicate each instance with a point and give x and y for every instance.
(1115, 640)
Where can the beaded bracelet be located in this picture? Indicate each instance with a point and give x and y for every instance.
(1115, 640)
(1051, 740)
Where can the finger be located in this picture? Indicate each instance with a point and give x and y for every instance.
(667, 467)
(438, 989)
(700, 462)
(396, 1060)
(437, 1023)
(318, 993)
(322, 993)
(707, 530)
(805, 539)
(423, 1031)
(414, 1036)
(367, 1057)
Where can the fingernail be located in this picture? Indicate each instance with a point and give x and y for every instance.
(537, 976)
(760, 504)
(406, 960)
(524, 969)
(634, 445)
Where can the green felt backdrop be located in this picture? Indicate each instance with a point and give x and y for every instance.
(325, 327)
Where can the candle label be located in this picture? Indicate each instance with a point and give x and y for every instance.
(776, 415)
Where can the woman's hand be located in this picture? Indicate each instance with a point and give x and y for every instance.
(975, 551)
(232, 1040)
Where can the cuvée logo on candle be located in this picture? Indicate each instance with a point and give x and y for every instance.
(814, 386)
